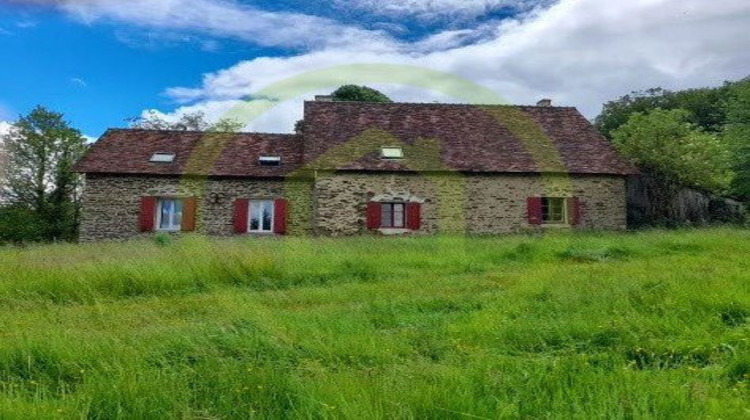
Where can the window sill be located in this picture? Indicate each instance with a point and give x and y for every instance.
(394, 231)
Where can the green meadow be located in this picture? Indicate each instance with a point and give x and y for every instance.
(651, 324)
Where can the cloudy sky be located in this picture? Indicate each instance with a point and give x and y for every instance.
(101, 61)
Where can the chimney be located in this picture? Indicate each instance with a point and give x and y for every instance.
(544, 102)
(323, 98)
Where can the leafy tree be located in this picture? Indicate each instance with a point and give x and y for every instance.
(737, 133)
(705, 107)
(38, 177)
(192, 121)
(354, 93)
(19, 224)
(666, 144)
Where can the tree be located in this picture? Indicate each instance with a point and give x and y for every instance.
(38, 177)
(737, 133)
(192, 121)
(666, 144)
(705, 107)
(354, 93)
(19, 224)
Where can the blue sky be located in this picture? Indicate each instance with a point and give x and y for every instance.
(101, 61)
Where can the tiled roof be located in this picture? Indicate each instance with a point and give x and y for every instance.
(128, 151)
(349, 135)
(470, 138)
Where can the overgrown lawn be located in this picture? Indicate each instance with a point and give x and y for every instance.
(638, 325)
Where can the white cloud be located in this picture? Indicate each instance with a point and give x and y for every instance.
(432, 9)
(5, 128)
(225, 18)
(578, 52)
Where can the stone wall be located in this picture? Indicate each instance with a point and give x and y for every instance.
(111, 204)
(454, 203)
(335, 203)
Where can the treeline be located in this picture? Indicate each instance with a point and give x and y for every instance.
(697, 138)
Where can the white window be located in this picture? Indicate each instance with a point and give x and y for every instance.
(162, 158)
(261, 216)
(391, 152)
(169, 214)
(392, 215)
(554, 210)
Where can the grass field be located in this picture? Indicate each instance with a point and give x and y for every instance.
(644, 325)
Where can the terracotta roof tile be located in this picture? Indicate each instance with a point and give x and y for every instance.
(471, 138)
(128, 151)
(465, 138)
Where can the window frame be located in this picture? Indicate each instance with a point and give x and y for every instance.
(162, 157)
(250, 204)
(383, 154)
(546, 202)
(392, 205)
(269, 160)
(160, 201)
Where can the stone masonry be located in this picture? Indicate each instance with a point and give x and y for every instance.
(334, 204)
(111, 204)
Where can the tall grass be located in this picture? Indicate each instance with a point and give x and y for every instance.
(645, 325)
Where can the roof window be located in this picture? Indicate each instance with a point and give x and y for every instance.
(270, 160)
(162, 157)
(391, 152)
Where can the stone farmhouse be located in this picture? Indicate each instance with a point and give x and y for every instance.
(361, 168)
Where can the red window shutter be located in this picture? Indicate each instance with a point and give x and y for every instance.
(534, 209)
(413, 216)
(279, 216)
(148, 214)
(241, 208)
(574, 211)
(373, 215)
(189, 207)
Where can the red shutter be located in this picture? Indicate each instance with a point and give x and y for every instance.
(279, 216)
(574, 211)
(189, 206)
(534, 209)
(413, 216)
(148, 214)
(373, 215)
(241, 208)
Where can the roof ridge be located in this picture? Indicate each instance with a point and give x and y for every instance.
(440, 104)
(204, 132)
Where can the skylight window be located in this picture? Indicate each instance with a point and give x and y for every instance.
(391, 152)
(162, 158)
(270, 160)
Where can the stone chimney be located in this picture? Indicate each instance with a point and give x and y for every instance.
(323, 98)
(544, 102)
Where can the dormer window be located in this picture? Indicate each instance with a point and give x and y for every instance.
(391, 152)
(162, 158)
(270, 160)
